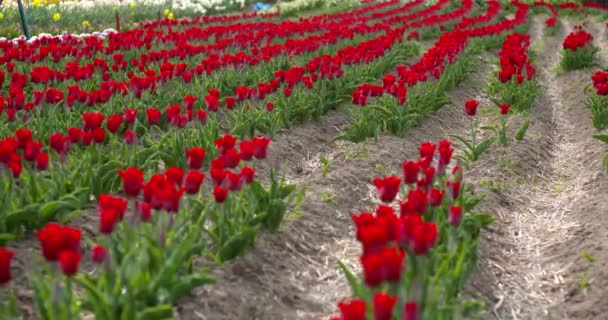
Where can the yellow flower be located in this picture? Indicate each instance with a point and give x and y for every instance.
(56, 16)
(170, 16)
(1, 16)
(86, 23)
(37, 3)
(133, 4)
(166, 12)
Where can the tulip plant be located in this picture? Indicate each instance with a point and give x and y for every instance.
(598, 104)
(474, 148)
(515, 83)
(579, 50)
(604, 138)
(598, 100)
(415, 261)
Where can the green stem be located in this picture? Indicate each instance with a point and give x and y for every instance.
(474, 137)
(26, 30)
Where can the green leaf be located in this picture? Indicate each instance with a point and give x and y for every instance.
(483, 146)
(463, 140)
(274, 215)
(48, 210)
(161, 312)
(237, 244)
(588, 256)
(287, 190)
(601, 137)
(6, 237)
(483, 219)
(354, 283)
(185, 284)
(25, 215)
(521, 132)
(97, 299)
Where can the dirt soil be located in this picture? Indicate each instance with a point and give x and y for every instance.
(547, 193)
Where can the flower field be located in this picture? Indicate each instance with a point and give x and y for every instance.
(355, 160)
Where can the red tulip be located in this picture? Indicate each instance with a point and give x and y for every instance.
(218, 176)
(68, 261)
(42, 161)
(214, 92)
(455, 215)
(99, 135)
(114, 122)
(153, 116)
(32, 149)
(212, 103)
(92, 120)
(145, 211)
(248, 173)
(383, 306)
(231, 158)
(423, 237)
(108, 218)
(373, 237)
(59, 143)
(504, 108)
(470, 107)
(269, 106)
(108, 201)
(410, 172)
(260, 147)
(130, 115)
(220, 194)
(387, 188)
(246, 148)
(454, 188)
(87, 138)
(75, 134)
(202, 116)
(16, 168)
(99, 253)
(189, 101)
(353, 310)
(129, 136)
(230, 103)
(55, 238)
(5, 265)
(287, 92)
(436, 197)
(196, 157)
(410, 311)
(194, 179)
(445, 153)
(23, 137)
(385, 265)
(175, 175)
(225, 143)
(132, 181)
(427, 151)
